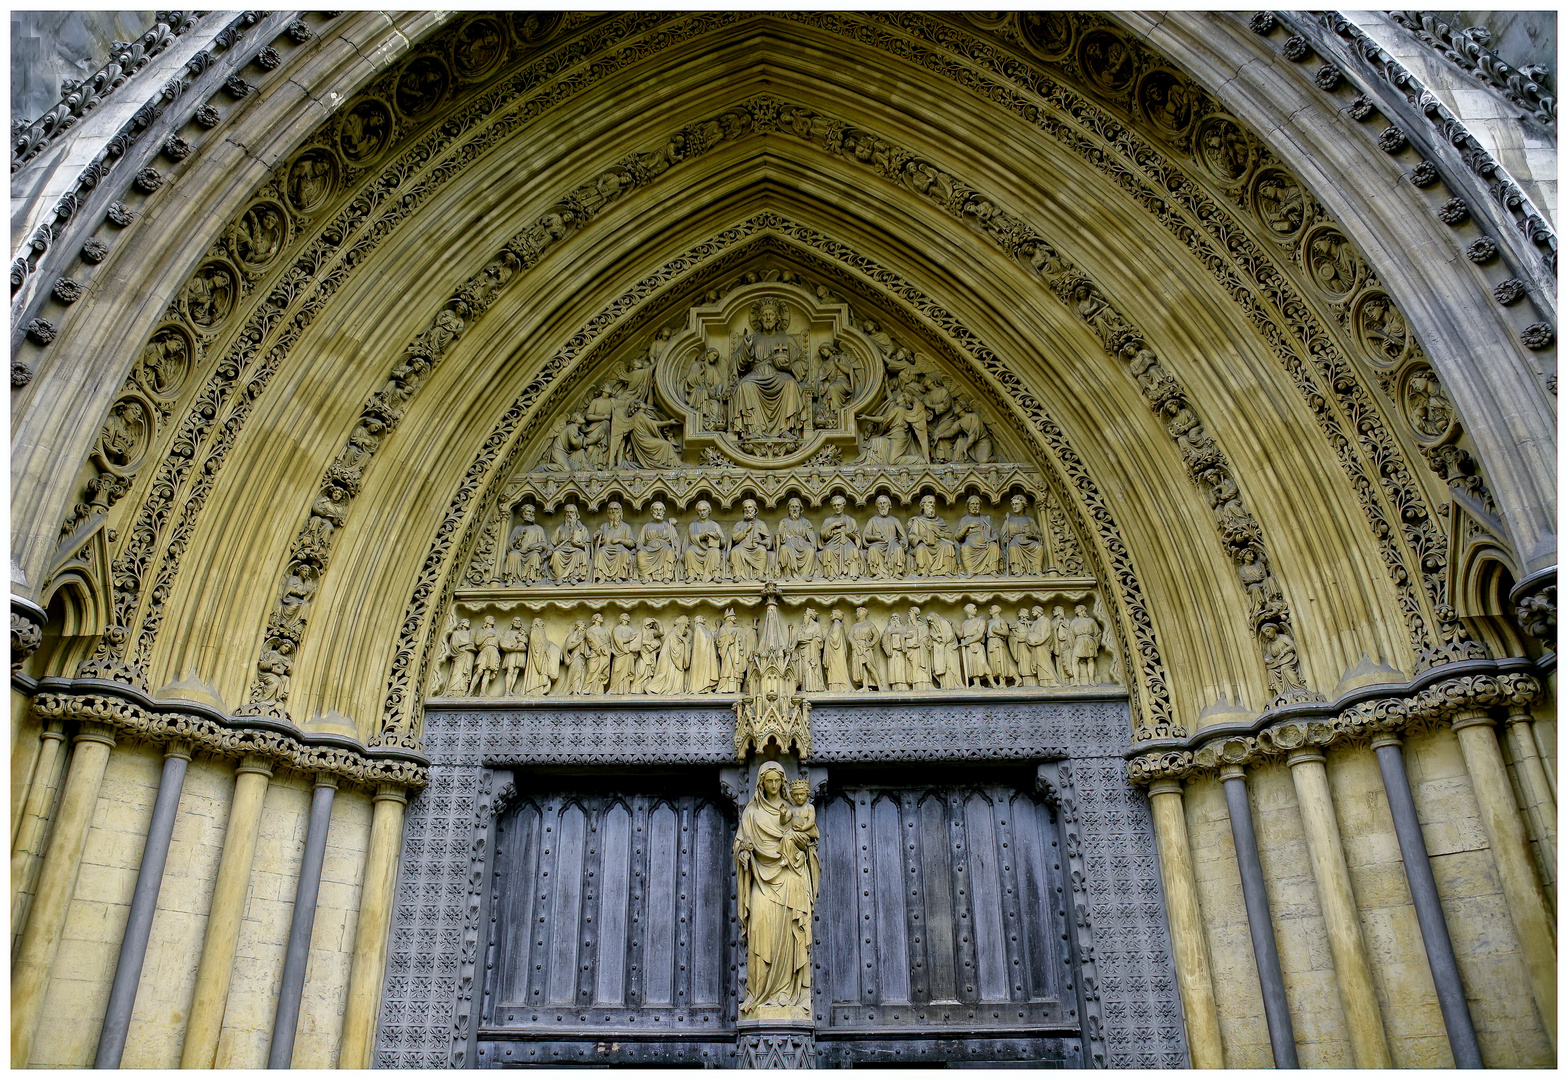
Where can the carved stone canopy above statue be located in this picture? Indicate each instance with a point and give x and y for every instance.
(769, 375)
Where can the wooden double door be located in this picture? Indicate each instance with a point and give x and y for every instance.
(941, 935)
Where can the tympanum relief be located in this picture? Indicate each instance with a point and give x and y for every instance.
(778, 445)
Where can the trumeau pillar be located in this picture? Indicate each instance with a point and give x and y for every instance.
(56, 883)
(1186, 924)
(370, 932)
(211, 995)
(1352, 968)
(1505, 830)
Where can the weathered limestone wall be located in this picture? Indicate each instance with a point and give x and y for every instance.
(1485, 943)
(78, 992)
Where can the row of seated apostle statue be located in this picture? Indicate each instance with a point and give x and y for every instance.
(840, 549)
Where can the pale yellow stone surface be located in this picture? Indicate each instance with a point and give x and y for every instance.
(332, 940)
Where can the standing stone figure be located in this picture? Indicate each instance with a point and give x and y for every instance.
(917, 650)
(972, 634)
(596, 646)
(649, 644)
(487, 641)
(544, 662)
(997, 654)
(702, 674)
(574, 659)
(774, 899)
(947, 661)
(897, 661)
(514, 653)
(1062, 645)
(808, 652)
(835, 653)
(1023, 655)
(865, 663)
(461, 645)
(669, 672)
(1086, 645)
(625, 643)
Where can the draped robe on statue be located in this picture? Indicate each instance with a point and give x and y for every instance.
(774, 900)
(768, 400)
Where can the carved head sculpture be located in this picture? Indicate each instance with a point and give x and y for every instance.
(658, 510)
(969, 609)
(703, 509)
(894, 623)
(800, 792)
(528, 513)
(860, 614)
(462, 624)
(615, 513)
(489, 621)
(914, 613)
(995, 610)
(1019, 502)
(701, 620)
(837, 503)
(837, 615)
(928, 505)
(749, 509)
(884, 504)
(1268, 632)
(768, 316)
(1058, 612)
(517, 623)
(598, 620)
(810, 615)
(770, 782)
(1080, 611)
(571, 513)
(625, 620)
(973, 505)
(794, 509)
(729, 616)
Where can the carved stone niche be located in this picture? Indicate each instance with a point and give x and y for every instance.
(750, 375)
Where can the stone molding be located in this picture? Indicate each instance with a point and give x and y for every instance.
(127, 713)
(27, 630)
(1535, 606)
(1467, 50)
(1444, 695)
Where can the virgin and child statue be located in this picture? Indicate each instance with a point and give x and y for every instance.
(777, 877)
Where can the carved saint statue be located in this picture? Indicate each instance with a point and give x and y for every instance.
(569, 559)
(657, 548)
(526, 551)
(514, 653)
(487, 662)
(931, 542)
(461, 645)
(704, 546)
(625, 642)
(998, 654)
(614, 547)
(972, 635)
(797, 554)
(544, 662)
(885, 542)
(702, 674)
(978, 551)
(808, 653)
(749, 543)
(775, 892)
(835, 654)
(947, 663)
(767, 400)
(865, 661)
(904, 440)
(1040, 641)
(707, 390)
(596, 659)
(1086, 645)
(840, 544)
(1022, 542)
(669, 672)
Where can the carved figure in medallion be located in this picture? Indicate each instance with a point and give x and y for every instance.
(166, 360)
(931, 542)
(526, 551)
(998, 648)
(669, 671)
(917, 650)
(893, 647)
(1427, 405)
(1280, 202)
(702, 673)
(658, 548)
(514, 654)
(885, 542)
(978, 550)
(840, 544)
(749, 544)
(1383, 329)
(461, 645)
(1086, 645)
(366, 129)
(1333, 264)
(704, 546)
(614, 547)
(866, 669)
(596, 651)
(478, 48)
(259, 236)
(274, 666)
(947, 658)
(649, 642)
(1022, 540)
(774, 900)
(544, 662)
(835, 653)
(797, 554)
(767, 399)
(569, 554)
(487, 662)
(807, 648)
(972, 636)
(310, 181)
(625, 643)
(707, 390)
(1223, 148)
(574, 660)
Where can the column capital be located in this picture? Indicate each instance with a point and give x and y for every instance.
(1165, 787)
(96, 732)
(390, 793)
(1471, 718)
(1232, 772)
(179, 748)
(1519, 714)
(326, 780)
(1304, 756)
(253, 763)
(1387, 738)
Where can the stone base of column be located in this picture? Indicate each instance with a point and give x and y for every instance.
(776, 1044)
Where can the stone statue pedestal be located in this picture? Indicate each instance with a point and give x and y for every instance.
(776, 1044)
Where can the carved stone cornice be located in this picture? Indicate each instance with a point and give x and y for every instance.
(1466, 48)
(27, 630)
(128, 713)
(1440, 696)
(1535, 606)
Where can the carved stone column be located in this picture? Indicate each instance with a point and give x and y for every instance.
(370, 933)
(1352, 968)
(1186, 923)
(211, 994)
(280, 1053)
(1540, 805)
(32, 830)
(1505, 830)
(56, 883)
